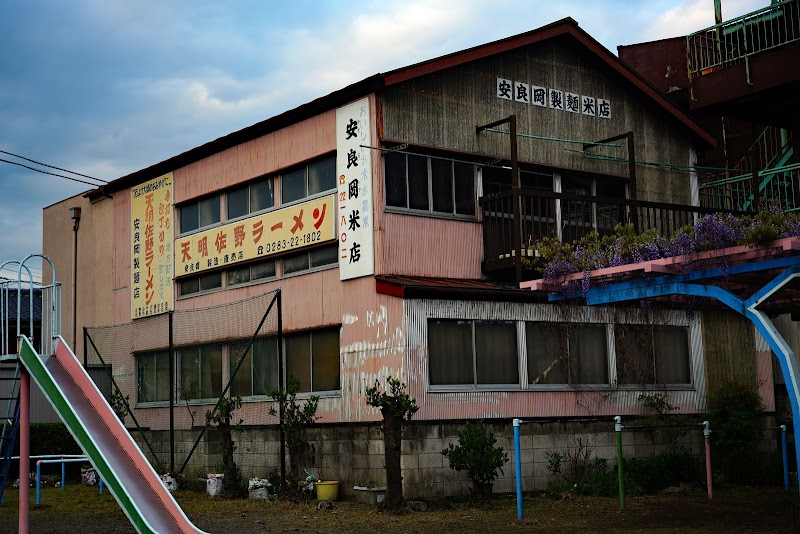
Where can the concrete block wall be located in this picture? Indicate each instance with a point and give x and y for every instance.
(354, 454)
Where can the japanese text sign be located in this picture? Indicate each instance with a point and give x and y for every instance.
(151, 247)
(553, 98)
(354, 190)
(274, 232)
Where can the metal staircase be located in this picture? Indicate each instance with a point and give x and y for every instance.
(766, 171)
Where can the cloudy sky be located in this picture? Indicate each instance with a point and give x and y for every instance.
(105, 88)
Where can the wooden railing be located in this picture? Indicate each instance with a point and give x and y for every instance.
(568, 217)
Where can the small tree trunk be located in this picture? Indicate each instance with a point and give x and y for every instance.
(232, 480)
(392, 441)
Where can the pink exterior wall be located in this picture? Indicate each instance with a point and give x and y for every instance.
(427, 246)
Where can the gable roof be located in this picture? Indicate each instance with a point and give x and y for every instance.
(563, 27)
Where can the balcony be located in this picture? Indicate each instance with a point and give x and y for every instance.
(747, 65)
(567, 216)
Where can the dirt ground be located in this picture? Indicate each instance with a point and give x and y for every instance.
(741, 509)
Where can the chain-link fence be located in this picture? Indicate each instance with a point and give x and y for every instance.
(164, 374)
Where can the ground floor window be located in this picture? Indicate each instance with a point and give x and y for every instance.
(153, 376)
(473, 353)
(313, 357)
(200, 375)
(467, 353)
(258, 373)
(566, 353)
(652, 354)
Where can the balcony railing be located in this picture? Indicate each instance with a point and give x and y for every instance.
(735, 41)
(568, 217)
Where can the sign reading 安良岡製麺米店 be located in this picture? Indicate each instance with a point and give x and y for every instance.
(151, 247)
(354, 190)
(275, 232)
(555, 99)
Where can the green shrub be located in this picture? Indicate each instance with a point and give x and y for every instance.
(477, 455)
(666, 469)
(575, 471)
(50, 438)
(736, 416)
(750, 467)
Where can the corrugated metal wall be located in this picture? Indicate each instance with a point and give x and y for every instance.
(443, 109)
(41, 411)
(589, 401)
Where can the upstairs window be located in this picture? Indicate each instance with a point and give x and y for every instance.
(199, 214)
(429, 183)
(310, 259)
(199, 284)
(308, 180)
(262, 270)
(250, 198)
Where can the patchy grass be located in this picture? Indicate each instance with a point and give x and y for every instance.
(734, 510)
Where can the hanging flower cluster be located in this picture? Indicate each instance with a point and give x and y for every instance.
(555, 259)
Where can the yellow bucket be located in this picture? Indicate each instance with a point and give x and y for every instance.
(328, 491)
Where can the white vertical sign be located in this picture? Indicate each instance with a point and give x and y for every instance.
(354, 190)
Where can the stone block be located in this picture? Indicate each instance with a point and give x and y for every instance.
(429, 461)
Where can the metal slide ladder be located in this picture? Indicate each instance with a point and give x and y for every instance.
(8, 438)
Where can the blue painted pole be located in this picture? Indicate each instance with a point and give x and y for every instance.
(38, 483)
(63, 475)
(101, 486)
(518, 462)
(785, 458)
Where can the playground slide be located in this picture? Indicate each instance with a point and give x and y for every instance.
(129, 476)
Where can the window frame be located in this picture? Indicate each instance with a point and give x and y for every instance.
(196, 203)
(249, 186)
(310, 333)
(250, 357)
(609, 365)
(475, 386)
(657, 372)
(154, 355)
(330, 158)
(179, 371)
(430, 212)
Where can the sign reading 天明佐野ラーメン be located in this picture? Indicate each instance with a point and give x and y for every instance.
(275, 232)
(151, 247)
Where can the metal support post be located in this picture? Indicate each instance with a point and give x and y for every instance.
(707, 440)
(620, 473)
(518, 467)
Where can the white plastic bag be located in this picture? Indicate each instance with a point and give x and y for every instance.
(259, 488)
(88, 476)
(169, 481)
(214, 484)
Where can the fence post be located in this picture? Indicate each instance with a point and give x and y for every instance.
(518, 467)
(707, 439)
(620, 474)
(785, 458)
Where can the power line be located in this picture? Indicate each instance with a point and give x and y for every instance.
(50, 173)
(52, 166)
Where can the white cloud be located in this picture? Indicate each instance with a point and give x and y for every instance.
(694, 15)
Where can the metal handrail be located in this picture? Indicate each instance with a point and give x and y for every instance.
(734, 40)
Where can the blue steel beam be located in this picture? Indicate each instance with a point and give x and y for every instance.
(677, 285)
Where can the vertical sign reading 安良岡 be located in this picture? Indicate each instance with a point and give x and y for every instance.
(151, 247)
(354, 190)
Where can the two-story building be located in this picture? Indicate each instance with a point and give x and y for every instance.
(396, 229)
